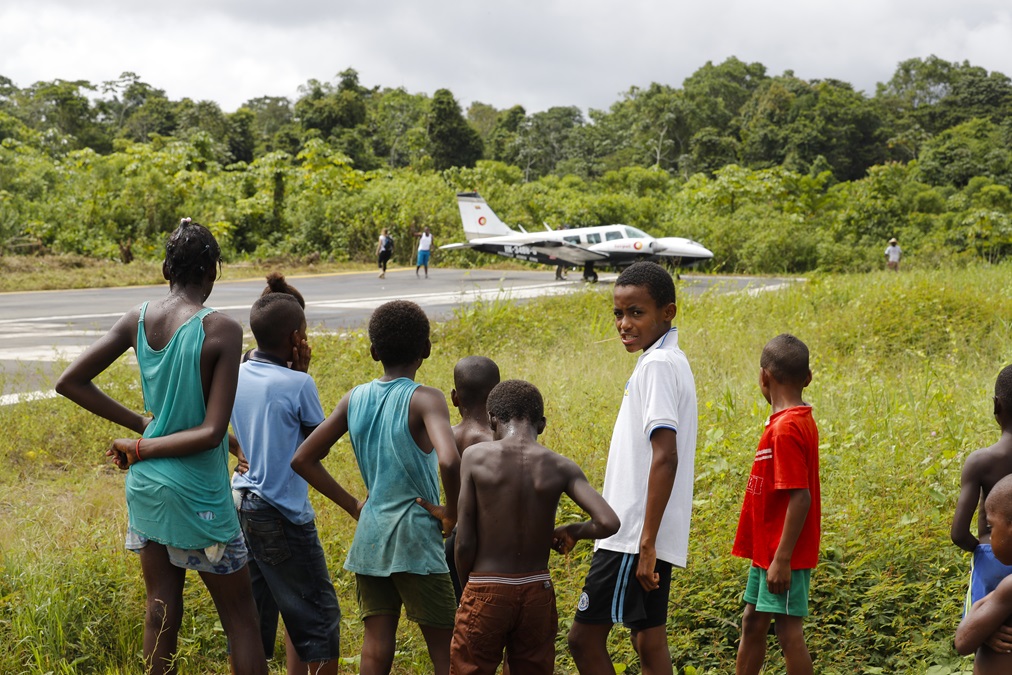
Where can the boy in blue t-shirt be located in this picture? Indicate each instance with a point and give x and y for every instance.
(275, 409)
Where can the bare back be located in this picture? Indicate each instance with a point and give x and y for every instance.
(470, 432)
(517, 486)
(983, 469)
(164, 317)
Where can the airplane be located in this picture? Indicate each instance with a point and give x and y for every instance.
(604, 245)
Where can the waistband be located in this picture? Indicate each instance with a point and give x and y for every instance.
(510, 579)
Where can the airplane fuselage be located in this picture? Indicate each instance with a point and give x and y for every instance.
(602, 246)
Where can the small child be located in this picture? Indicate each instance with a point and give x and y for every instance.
(299, 358)
(400, 433)
(510, 490)
(984, 627)
(275, 408)
(779, 527)
(473, 379)
(981, 471)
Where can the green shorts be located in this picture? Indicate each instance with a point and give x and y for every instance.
(792, 603)
(428, 599)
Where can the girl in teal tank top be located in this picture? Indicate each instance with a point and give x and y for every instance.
(177, 483)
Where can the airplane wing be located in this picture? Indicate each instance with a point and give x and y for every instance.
(532, 246)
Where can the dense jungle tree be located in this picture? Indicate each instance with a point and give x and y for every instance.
(452, 141)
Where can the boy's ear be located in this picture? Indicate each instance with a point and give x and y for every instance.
(997, 407)
(669, 312)
(454, 399)
(165, 270)
(372, 352)
(808, 380)
(493, 422)
(540, 426)
(428, 349)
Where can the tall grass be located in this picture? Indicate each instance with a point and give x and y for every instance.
(904, 366)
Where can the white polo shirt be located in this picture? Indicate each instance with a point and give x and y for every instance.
(425, 242)
(661, 393)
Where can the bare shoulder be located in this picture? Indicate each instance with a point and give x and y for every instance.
(990, 464)
(222, 325)
(426, 394)
(479, 453)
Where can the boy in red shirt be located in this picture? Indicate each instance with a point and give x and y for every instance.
(780, 518)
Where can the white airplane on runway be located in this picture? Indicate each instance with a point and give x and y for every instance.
(605, 245)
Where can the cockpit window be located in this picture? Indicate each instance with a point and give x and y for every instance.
(633, 233)
(612, 236)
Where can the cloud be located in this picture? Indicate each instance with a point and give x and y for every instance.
(535, 53)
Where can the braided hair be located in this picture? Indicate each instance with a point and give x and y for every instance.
(191, 252)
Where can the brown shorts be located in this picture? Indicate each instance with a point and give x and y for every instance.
(515, 612)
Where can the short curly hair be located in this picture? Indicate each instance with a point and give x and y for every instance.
(274, 317)
(651, 276)
(399, 332)
(516, 399)
(1003, 388)
(785, 357)
(191, 253)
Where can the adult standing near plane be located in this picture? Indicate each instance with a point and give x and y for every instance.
(893, 254)
(384, 250)
(424, 250)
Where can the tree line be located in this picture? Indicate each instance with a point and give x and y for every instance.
(773, 173)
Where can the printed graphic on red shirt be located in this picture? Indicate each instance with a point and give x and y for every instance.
(787, 459)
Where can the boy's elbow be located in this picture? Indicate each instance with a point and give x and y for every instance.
(450, 462)
(963, 645)
(609, 525)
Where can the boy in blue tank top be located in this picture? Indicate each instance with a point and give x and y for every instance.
(400, 433)
(275, 408)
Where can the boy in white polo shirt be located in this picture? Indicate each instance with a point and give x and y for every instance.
(648, 482)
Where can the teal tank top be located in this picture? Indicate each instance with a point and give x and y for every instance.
(184, 502)
(394, 534)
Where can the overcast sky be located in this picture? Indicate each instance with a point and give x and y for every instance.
(538, 53)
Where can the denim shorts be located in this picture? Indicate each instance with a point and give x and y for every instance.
(289, 574)
(231, 559)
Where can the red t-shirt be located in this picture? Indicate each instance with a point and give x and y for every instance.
(787, 459)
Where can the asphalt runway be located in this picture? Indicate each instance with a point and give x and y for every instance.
(41, 331)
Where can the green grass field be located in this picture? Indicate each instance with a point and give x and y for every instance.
(904, 367)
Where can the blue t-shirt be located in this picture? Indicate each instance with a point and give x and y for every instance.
(183, 502)
(394, 534)
(272, 404)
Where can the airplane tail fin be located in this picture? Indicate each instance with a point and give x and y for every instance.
(478, 218)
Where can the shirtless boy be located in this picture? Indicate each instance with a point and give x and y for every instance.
(473, 379)
(510, 490)
(977, 631)
(981, 471)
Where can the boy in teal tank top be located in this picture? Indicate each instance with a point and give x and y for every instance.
(403, 443)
